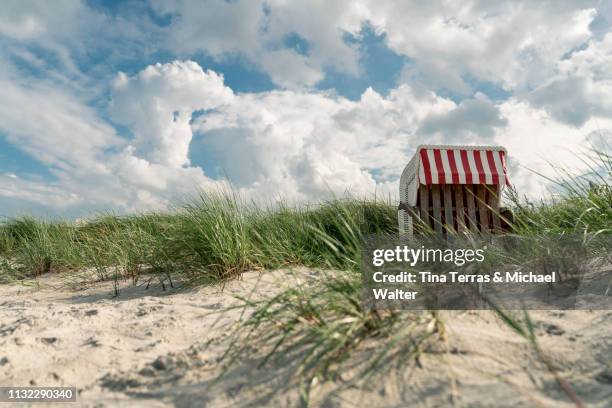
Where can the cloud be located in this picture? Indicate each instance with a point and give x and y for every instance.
(510, 44)
(537, 143)
(57, 28)
(305, 146)
(29, 20)
(289, 69)
(299, 145)
(75, 43)
(157, 105)
(91, 165)
(258, 31)
(15, 189)
(54, 126)
(472, 119)
(450, 46)
(582, 86)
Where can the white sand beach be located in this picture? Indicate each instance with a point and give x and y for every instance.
(163, 348)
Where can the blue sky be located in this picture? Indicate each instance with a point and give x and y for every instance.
(130, 106)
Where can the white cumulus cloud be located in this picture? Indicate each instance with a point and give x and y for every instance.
(305, 146)
(259, 30)
(581, 87)
(157, 105)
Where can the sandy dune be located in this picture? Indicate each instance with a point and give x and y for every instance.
(156, 348)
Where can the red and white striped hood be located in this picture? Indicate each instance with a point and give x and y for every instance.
(458, 165)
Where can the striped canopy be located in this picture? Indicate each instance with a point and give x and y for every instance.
(462, 166)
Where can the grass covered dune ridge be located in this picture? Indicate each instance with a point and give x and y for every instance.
(212, 238)
(218, 235)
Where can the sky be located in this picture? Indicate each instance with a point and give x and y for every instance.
(131, 106)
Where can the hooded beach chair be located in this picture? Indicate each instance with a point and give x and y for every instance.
(453, 189)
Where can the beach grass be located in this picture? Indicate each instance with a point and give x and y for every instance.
(217, 236)
(212, 238)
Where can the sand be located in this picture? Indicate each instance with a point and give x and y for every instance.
(163, 348)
